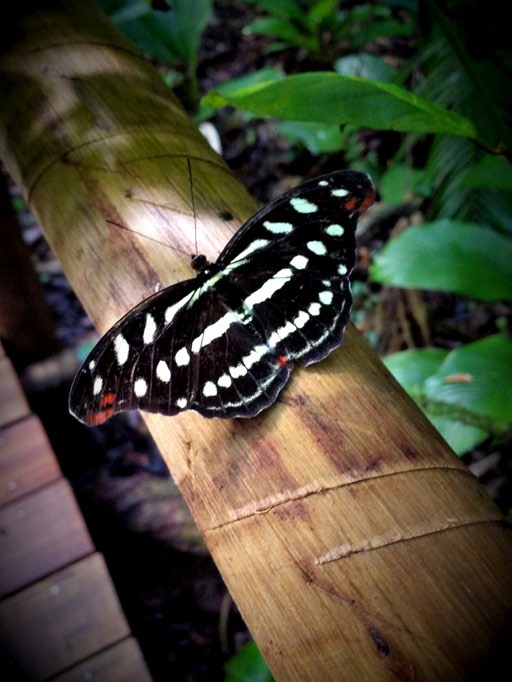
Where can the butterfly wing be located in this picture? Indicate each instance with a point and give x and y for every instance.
(117, 375)
(298, 252)
(173, 352)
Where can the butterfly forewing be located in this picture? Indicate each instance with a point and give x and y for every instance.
(224, 343)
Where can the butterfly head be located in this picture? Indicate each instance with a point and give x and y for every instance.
(199, 262)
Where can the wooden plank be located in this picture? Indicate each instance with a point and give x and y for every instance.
(26, 459)
(40, 533)
(57, 622)
(122, 662)
(13, 404)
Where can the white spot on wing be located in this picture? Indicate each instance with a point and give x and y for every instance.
(209, 389)
(325, 297)
(122, 349)
(314, 309)
(92, 365)
(334, 230)
(181, 403)
(182, 357)
(281, 333)
(163, 372)
(317, 247)
(255, 355)
(342, 269)
(301, 319)
(303, 205)
(214, 331)
(225, 381)
(140, 387)
(278, 228)
(323, 183)
(339, 192)
(299, 262)
(269, 288)
(238, 371)
(149, 329)
(97, 386)
(256, 245)
(171, 311)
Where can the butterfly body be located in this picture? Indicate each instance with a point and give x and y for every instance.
(224, 343)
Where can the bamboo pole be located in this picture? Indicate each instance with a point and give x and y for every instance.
(355, 544)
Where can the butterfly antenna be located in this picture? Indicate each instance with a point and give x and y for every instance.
(193, 205)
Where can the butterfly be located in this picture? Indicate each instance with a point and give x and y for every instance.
(224, 342)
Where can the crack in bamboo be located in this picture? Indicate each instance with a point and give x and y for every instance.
(346, 550)
(271, 503)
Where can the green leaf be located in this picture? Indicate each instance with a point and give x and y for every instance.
(460, 437)
(445, 255)
(411, 368)
(329, 98)
(478, 378)
(318, 138)
(400, 181)
(322, 10)
(381, 29)
(487, 71)
(250, 81)
(365, 66)
(283, 9)
(248, 665)
(283, 30)
(492, 172)
(166, 36)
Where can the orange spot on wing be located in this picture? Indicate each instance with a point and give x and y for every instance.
(353, 204)
(97, 418)
(281, 361)
(107, 400)
(105, 410)
(368, 200)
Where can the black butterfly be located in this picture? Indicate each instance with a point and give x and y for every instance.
(224, 343)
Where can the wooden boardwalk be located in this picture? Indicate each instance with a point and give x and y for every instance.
(60, 617)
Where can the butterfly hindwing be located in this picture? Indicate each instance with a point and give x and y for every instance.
(224, 343)
(109, 381)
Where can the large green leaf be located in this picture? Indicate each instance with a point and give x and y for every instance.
(460, 437)
(446, 255)
(413, 369)
(478, 378)
(318, 138)
(330, 98)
